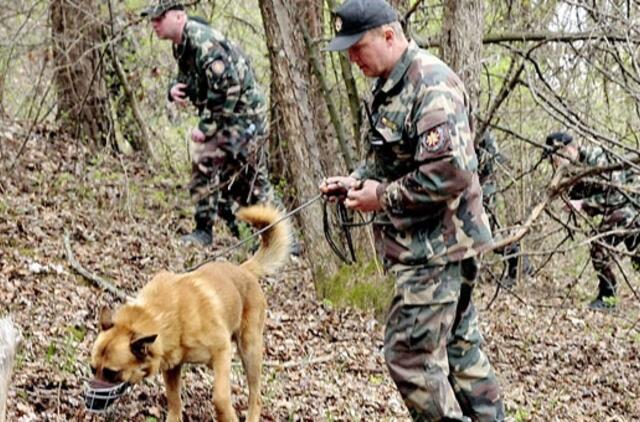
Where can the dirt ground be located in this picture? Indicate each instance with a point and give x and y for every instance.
(556, 359)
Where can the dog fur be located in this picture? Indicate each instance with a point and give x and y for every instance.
(193, 318)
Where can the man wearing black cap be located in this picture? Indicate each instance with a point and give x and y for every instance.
(216, 77)
(604, 197)
(421, 181)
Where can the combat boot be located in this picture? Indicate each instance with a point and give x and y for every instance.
(512, 266)
(201, 235)
(603, 303)
(606, 296)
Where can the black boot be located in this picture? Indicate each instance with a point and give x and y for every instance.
(512, 266)
(603, 302)
(606, 295)
(201, 235)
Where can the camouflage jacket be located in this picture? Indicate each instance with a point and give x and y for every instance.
(608, 192)
(421, 149)
(220, 81)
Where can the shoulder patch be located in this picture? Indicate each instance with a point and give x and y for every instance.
(217, 67)
(435, 139)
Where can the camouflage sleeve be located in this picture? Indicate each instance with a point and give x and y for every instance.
(443, 167)
(597, 198)
(224, 87)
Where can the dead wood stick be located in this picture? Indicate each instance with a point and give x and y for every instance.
(97, 281)
(302, 362)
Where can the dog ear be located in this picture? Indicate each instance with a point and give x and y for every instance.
(140, 347)
(106, 320)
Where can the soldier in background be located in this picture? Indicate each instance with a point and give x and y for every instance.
(422, 183)
(216, 77)
(608, 197)
(489, 157)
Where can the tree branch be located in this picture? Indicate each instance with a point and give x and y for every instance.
(543, 37)
(97, 281)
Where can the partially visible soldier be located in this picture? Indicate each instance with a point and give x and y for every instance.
(489, 156)
(216, 77)
(422, 183)
(606, 197)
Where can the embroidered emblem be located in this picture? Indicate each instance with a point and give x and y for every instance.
(338, 24)
(434, 140)
(217, 67)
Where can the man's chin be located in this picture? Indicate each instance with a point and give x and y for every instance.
(368, 72)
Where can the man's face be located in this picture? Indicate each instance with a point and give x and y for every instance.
(369, 54)
(166, 25)
(569, 151)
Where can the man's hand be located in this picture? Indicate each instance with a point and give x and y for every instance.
(575, 204)
(335, 188)
(197, 136)
(363, 197)
(178, 95)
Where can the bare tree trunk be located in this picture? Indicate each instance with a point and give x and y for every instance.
(461, 45)
(83, 107)
(302, 151)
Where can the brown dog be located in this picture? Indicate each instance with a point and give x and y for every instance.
(192, 318)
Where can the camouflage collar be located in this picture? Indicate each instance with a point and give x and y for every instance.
(179, 49)
(400, 68)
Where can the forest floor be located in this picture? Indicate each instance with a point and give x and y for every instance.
(556, 359)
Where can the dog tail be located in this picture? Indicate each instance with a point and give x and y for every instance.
(275, 246)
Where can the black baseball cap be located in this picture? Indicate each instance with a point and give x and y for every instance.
(555, 141)
(355, 17)
(160, 8)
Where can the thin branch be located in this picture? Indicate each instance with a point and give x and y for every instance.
(97, 281)
(543, 37)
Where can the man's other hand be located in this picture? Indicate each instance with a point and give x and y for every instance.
(178, 95)
(363, 196)
(335, 188)
(197, 136)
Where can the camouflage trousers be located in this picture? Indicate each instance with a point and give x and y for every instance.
(225, 175)
(601, 257)
(432, 345)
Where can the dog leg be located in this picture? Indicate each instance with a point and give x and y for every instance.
(221, 364)
(250, 347)
(172, 384)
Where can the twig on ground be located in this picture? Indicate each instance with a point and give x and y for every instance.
(97, 281)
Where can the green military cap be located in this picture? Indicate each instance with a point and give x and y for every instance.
(161, 7)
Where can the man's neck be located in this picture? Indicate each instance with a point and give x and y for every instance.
(177, 39)
(396, 56)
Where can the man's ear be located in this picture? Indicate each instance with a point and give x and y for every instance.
(140, 347)
(106, 320)
(389, 34)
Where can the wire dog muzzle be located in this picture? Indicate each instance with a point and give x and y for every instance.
(99, 395)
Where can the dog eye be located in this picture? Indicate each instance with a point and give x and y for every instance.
(110, 375)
